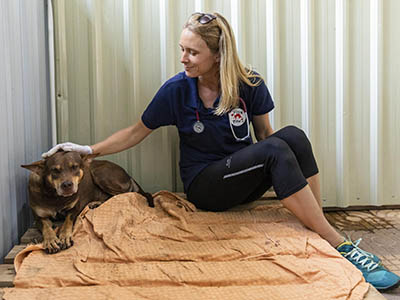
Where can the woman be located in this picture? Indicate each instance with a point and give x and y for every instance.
(212, 103)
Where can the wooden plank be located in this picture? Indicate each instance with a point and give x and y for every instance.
(32, 235)
(7, 274)
(9, 259)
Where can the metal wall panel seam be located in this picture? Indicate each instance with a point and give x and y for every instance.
(43, 75)
(98, 97)
(6, 212)
(91, 60)
(374, 99)
(30, 54)
(305, 67)
(164, 61)
(163, 38)
(3, 222)
(270, 44)
(277, 118)
(62, 82)
(305, 70)
(235, 24)
(339, 47)
(27, 139)
(9, 122)
(26, 82)
(32, 80)
(17, 137)
(128, 41)
(136, 154)
(52, 73)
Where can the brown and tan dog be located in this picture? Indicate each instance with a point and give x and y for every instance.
(64, 183)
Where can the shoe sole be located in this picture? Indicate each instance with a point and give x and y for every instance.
(384, 289)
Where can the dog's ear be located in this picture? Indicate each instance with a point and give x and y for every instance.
(88, 158)
(36, 167)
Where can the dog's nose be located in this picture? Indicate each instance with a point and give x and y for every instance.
(66, 184)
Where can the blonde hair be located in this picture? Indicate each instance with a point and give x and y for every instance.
(219, 37)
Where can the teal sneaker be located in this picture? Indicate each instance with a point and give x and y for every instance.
(369, 264)
(372, 256)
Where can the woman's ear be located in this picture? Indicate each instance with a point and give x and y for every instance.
(217, 58)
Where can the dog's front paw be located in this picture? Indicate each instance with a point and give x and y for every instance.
(51, 245)
(65, 241)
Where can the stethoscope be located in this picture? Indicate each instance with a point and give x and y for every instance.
(237, 117)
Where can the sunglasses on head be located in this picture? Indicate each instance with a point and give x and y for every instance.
(206, 18)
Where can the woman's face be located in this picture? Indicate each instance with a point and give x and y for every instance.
(196, 57)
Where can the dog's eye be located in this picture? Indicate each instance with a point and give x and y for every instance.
(55, 170)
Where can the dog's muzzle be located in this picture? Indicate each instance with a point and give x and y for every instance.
(67, 188)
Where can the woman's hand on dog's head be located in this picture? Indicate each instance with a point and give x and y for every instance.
(68, 147)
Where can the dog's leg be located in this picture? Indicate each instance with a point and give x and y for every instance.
(65, 234)
(50, 240)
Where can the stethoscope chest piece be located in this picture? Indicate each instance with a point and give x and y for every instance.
(198, 127)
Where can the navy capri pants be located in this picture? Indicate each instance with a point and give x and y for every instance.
(283, 160)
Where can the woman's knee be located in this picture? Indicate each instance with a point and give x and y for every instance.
(301, 147)
(277, 149)
(291, 132)
(296, 138)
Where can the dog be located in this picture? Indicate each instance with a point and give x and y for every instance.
(64, 183)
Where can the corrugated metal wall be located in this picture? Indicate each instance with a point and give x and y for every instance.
(24, 113)
(332, 67)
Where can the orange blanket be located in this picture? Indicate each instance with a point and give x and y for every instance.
(127, 250)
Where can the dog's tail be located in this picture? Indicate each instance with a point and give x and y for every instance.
(135, 187)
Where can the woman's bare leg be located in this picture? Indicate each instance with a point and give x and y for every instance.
(315, 186)
(305, 207)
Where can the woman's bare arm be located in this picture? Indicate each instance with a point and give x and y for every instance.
(262, 126)
(122, 139)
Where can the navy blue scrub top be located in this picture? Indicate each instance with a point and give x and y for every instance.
(176, 103)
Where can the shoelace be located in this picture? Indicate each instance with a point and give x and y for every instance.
(356, 254)
(356, 243)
